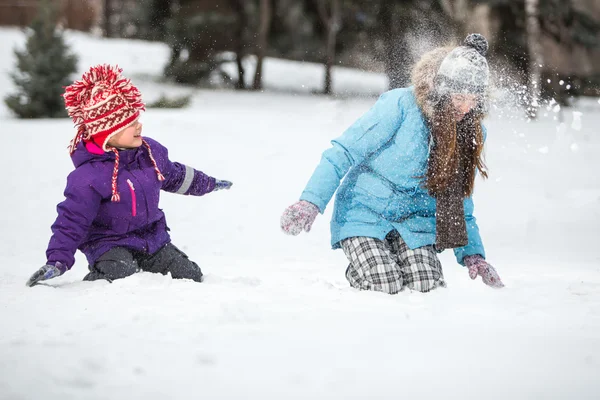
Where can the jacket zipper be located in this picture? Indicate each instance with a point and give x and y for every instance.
(133, 198)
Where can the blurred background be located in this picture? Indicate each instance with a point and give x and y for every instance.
(552, 46)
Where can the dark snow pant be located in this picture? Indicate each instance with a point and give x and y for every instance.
(121, 262)
(390, 265)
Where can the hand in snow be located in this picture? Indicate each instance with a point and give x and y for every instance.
(46, 272)
(221, 185)
(478, 266)
(299, 216)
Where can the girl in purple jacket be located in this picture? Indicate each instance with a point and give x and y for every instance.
(111, 208)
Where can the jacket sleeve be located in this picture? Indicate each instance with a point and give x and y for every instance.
(367, 135)
(180, 178)
(75, 216)
(475, 245)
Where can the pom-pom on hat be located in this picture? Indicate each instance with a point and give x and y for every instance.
(465, 68)
(101, 104)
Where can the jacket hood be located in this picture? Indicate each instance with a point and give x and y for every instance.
(423, 76)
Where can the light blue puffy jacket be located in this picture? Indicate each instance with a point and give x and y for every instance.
(382, 155)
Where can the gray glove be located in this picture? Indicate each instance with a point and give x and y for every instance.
(222, 185)
(47, 272)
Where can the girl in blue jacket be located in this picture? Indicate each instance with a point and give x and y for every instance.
(409, 165)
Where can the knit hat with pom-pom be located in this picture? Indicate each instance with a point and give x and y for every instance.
(465, 68)
(102, 104)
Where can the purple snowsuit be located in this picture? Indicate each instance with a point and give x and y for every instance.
(89, 221)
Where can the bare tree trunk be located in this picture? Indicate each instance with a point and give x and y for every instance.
(177, 45)
(242, 22)
(123, 17)
(536, 59)
(107, 17)
(397, 59)
(159, 15)
(332, 23)
(263, 41)
(458, 11)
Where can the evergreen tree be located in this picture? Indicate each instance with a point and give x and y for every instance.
(43, 69)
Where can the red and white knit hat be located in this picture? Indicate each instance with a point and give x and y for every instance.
(101, 104)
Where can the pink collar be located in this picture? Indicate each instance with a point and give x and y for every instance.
(93, 148)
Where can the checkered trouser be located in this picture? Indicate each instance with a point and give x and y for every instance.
(390, 265)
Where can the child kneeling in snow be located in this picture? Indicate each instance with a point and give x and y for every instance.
(111, 208)
(408, 167)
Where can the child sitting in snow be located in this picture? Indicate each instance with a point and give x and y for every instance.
(111, 208)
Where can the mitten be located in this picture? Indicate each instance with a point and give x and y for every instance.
(299, 216)
(478, 266)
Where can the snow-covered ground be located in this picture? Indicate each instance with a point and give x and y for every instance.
(275, 318)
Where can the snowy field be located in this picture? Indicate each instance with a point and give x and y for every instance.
(275, 318)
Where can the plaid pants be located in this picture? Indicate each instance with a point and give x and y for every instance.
(390, 265)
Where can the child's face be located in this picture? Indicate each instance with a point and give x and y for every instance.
(463, 103)
(128, 138)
